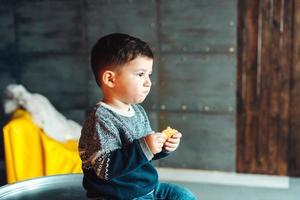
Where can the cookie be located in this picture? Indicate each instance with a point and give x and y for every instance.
(168, 132)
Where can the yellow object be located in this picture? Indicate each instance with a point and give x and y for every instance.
(169, 132)
(30, 153)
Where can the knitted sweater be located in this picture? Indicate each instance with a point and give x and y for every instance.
(116, 160)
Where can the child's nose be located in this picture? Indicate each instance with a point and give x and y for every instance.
(148, 82)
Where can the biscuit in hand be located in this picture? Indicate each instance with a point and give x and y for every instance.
(168, 132)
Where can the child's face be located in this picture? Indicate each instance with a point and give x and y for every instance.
(132, 83)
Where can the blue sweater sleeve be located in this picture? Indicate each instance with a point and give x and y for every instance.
(161, 155)
(125, 160)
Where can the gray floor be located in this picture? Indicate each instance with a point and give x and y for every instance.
(225, 192)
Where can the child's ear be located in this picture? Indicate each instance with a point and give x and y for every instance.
(108, 78)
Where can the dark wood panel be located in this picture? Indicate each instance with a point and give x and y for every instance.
(294, 138)
(246, 83)
(264, 65)
(284, 77)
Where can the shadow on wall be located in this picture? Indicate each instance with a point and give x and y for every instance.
(5, 79)
(3, 120)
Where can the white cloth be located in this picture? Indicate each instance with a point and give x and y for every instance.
(43, 113)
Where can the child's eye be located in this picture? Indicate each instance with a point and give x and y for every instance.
(141, 74)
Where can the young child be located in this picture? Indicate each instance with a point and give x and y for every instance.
(117, 143)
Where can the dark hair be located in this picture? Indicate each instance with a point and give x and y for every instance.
(117, 49)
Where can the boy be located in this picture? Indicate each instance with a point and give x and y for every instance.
(117, 143)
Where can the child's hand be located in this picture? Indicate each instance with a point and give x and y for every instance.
(155, 142)
(172, 143)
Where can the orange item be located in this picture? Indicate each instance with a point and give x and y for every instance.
(169, 132)
(30, 153)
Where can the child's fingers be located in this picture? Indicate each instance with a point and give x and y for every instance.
(177, 135)
(173, 140)
(171, 145)
(161, 138)
(159, 135)
(170, 149)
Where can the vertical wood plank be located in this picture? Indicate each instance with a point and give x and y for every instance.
(294, 139)
(246, 83)
(285, 77)
(264, 87)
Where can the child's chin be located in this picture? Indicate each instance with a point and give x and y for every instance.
(140, 100)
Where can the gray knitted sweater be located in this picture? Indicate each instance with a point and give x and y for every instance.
(116, 161)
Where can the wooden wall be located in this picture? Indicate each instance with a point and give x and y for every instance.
(268, 114)
(45, 46)
(294, 137)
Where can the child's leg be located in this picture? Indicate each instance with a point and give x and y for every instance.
(167, 191)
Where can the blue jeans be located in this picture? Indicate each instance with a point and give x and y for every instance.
(167, 191)
(163, 191)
